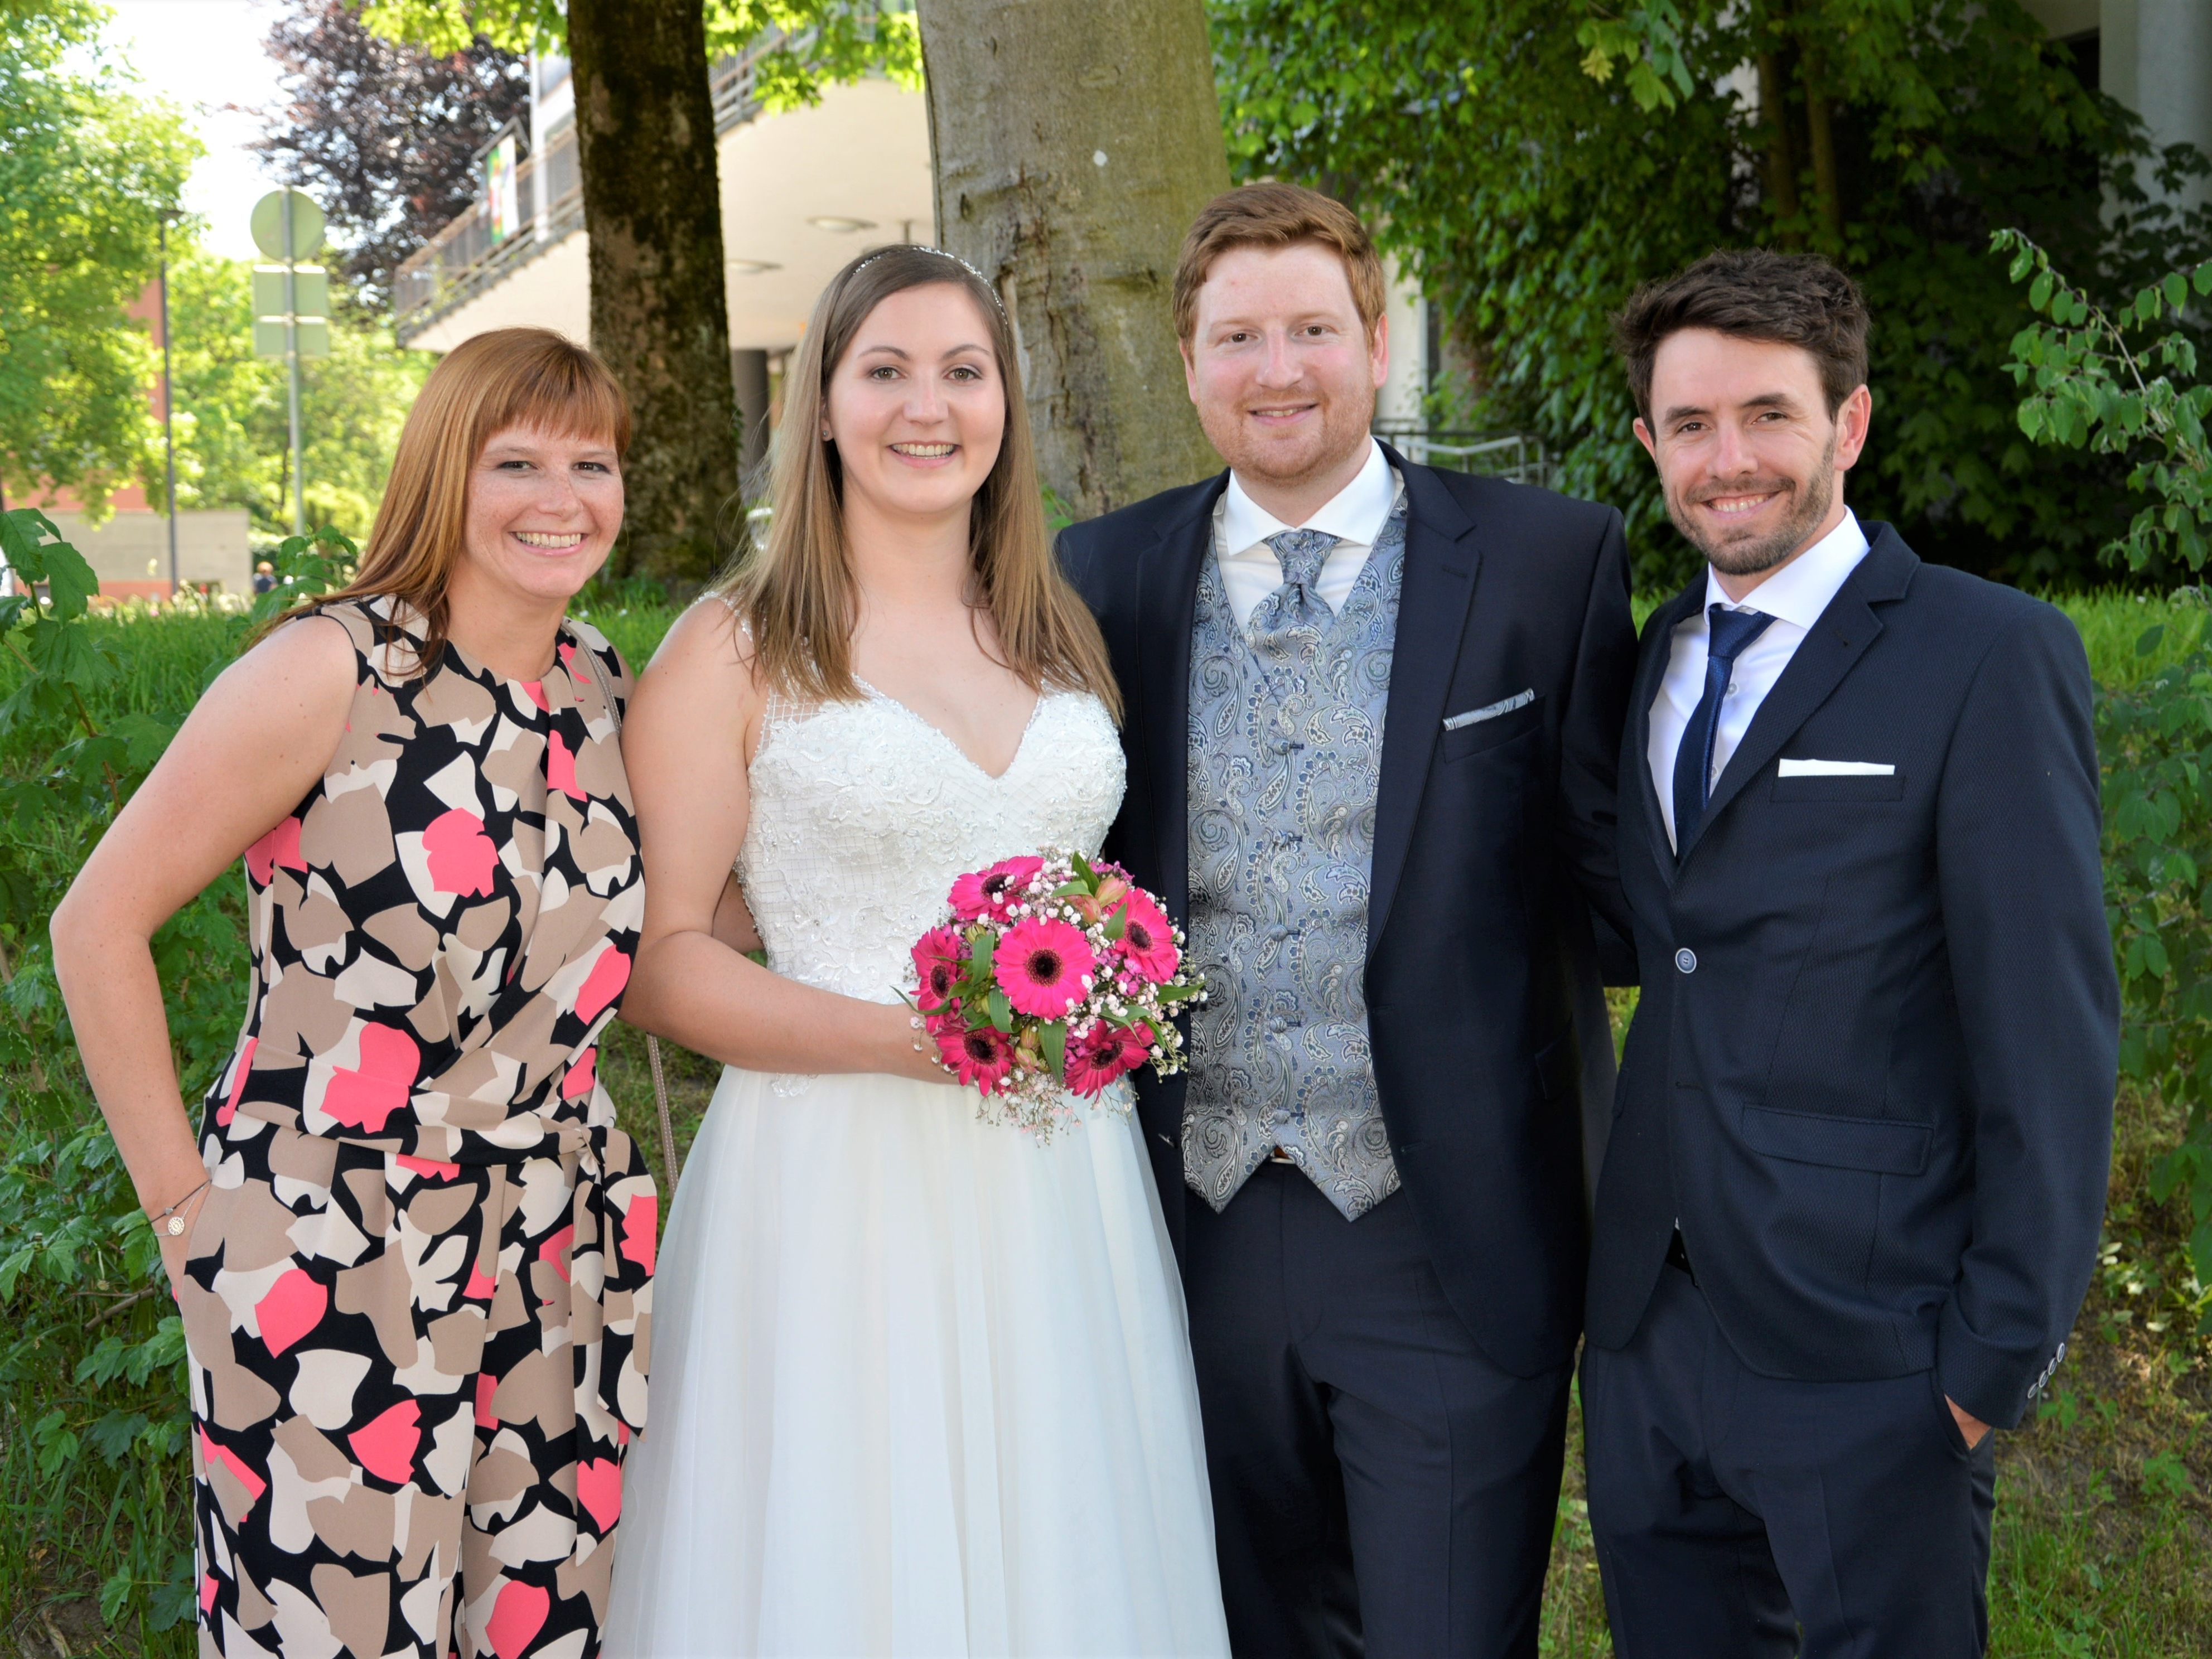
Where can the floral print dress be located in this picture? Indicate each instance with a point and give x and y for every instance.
(416, 1300)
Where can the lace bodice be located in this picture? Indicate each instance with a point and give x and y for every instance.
(863, 813)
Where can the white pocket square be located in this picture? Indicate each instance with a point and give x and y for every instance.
(1820, 769)
(1490, 711)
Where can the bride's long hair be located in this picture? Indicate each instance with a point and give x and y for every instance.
(796, 592)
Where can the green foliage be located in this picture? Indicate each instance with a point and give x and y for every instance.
(232, 419)
(1532, 163)
(93, 1426)
(2087, 387)
(823, 42)
(87, 169)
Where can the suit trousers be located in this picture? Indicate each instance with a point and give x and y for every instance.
(1379, 1486)
(1730, 1509)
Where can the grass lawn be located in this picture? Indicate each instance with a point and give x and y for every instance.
(2103, 1531)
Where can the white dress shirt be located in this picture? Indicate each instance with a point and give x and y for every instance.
(1795, 596)
(1355, 515)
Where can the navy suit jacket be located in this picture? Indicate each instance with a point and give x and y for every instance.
(1479, 979)
(1872, 1066)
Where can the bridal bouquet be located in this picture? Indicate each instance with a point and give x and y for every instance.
(1050, 976)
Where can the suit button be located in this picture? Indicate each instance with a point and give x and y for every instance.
(1278, 1024)
(1279, 932)
(1686, 960)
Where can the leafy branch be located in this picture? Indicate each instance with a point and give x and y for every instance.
(2087, 387)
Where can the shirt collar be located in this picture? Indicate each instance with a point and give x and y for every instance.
(1356, 512)
(1800, 591)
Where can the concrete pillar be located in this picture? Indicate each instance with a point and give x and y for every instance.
(748, 370)
(2157, 60)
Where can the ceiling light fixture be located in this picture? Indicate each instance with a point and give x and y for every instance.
(838, 222)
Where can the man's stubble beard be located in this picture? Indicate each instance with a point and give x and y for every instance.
(1754, 558)
(1343, 432)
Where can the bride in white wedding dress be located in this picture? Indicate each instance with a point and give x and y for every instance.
(920, 1385)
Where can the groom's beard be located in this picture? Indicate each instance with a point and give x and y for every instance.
(1324, 446)
(1750, 553)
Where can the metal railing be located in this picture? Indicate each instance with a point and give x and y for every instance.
(1518, 456)
(461, 260)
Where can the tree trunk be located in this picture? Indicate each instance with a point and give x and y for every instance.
(1781, 158)
(1820, 132)
(1074, 141)
(653, 209)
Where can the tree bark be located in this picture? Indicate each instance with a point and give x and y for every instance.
(1074, 141)
(653, 209)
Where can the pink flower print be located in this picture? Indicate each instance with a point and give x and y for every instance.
(385, 1445)
(937, 959)
(208, 1588)
(993, 892)
(278, 849)
(602, 985)
(481, 1284)
(516, 1618)
(460, 855)
(640, 1229)
(487, 1414)
(560, 767)
(981, 1055)
(1041, 965)
(535, 690)
(294, 1305)
(1147, 943)
(365, 1099)
(243, 1067)
(598, 1489)
(222, 1457)
(582, 1075)
(554, 1250)
(1104, 1053)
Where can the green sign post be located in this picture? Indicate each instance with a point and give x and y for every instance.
(291, 303)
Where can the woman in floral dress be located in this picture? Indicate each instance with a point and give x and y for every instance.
(412, 1251)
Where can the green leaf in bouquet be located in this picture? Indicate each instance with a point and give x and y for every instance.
(1082, 867)
(979, 958)
(1054, 1035)
(1178, 992)
(1001, 1011)
(1071, 889)
(1117, 923)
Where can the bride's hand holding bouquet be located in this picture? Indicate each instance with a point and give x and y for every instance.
(1050, 977)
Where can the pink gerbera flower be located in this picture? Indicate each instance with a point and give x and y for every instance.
(1147, 943)
(1104, 1053)
(937, 960)
(981, 1055)
(1041, 965)
(993, 892)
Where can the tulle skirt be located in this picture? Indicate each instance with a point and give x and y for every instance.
(920, 1386)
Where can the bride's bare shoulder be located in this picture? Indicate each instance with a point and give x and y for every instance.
(705, 661)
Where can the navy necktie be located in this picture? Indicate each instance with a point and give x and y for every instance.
(1728, 633)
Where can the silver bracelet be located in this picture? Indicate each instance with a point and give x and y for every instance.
(169, 1221)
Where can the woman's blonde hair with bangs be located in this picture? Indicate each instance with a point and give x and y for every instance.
(796, 591)
(532, 378)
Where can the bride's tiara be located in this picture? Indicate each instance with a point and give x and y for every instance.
(942, 253)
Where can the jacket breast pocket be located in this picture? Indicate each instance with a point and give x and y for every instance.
(1490, 733)
(1883, 1146)
(1835, 788)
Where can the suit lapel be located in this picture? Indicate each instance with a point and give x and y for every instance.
(1651, 673)
(1435, 588)
(1167, 610)
(1823, 658)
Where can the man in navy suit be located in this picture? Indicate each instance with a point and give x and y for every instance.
(1851, 1197)
(1373, 714)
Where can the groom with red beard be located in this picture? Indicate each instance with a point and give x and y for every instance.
(1374, 712)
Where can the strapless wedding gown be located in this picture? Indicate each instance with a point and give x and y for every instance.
(920, 1385)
